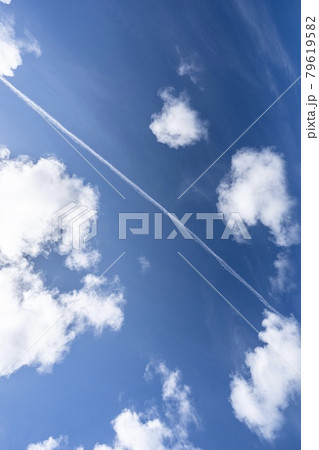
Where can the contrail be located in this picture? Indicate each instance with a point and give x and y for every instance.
(58, 127)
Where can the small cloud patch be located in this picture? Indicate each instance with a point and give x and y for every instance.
(177, 125)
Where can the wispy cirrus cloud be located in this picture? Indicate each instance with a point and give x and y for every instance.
(282, 281)
(260, 397)
(190, 66)
(266, 40)
(177, 125)
(256, 188)
(144, 263)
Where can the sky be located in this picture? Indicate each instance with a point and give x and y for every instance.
(144, 343)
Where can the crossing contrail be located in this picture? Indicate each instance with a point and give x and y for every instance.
(59, 128)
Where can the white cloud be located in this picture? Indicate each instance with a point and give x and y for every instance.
(283, 280)
(144, 263)
(265, 39)
(4, 152)
(260, 399)
(177, 397)
(177, 125)
(77, 259)
(7, 2)
(256, 188)
(28, 308)
(12, 48)
(145, 431)
(190, 69)
(34, 192)
(150, 431)
(30, 44)
(189, 66)
(49, 444)
(137, 432)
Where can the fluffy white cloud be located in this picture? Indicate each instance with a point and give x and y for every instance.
(283, 280)
(7, 2)
(256, 188)
(144, 263)
(137, 432)
(49, 444)
(38, 324)
(260, 399)
(177, 125)
(150, 431)
(34, 193)
(4, 152)
(28, 308)
(12, 48)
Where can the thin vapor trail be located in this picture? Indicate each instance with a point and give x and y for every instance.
(58, 126)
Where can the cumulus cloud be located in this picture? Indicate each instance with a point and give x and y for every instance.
(34, 193)
(144, 263)
(49, 444)
(7, 2)
(28, 308)
(260, 398)
(283, 280)
(256, 188)
(12, 48)
(137, 432)
(150, 431)
(177, 125)
(4, 152)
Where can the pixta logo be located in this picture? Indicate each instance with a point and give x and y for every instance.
(74, 225)
(139, 224)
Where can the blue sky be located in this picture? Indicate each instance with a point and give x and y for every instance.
(101, 67)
